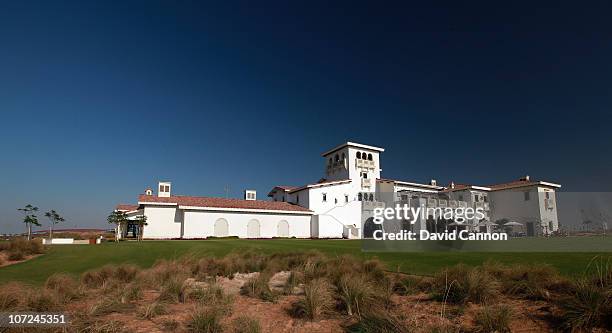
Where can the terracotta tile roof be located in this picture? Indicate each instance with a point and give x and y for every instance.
(224, 203)
(126, 207)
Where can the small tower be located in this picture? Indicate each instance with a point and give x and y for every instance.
(148, 191)
(250, 195)
(164, 189)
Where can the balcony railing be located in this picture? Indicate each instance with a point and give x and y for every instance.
(373, 204)
(366, 164)
(442, 203)
(431, 202)
(452, 204)
(366, 182)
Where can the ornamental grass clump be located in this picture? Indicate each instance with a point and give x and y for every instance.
(460, 284)
(317, 300)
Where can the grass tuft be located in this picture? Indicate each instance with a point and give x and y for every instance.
(244, 324)
(317, 300)
(205, 320)
(258, 287)
(493, 319)
(460, 284)
(378, 322)
(152, 310)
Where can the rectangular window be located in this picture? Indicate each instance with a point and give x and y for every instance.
(460, 197)
(324, 197)
(526, 196)
(485, 198)
(547, 194)
(476, 198)
(345, 198)
(161, 188)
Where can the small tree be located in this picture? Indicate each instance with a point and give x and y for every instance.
(141, 221)
(119, 219)
(54, 218)
(29, 218)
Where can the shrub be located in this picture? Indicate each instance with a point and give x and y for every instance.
(86, 324)
(588, 306)
(65, 287)
(244, 324)
(42, 301)
(152, 310)
(15, 255)
(407, 285)
(493, 319)
(213, 295)
(317, 300)
(378, 322)
(461, 284)
(532, 282)
(356, 293)
(126, 272)
(170, 325)
(26, 247)
(97, 278)
(165, 270)
(11, 295)
(108, 305)
(375, 268)
(130, 292)
(258, 287)
(173, 291)
(205, 320)
(293, 281)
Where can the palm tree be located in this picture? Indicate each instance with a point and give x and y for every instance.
(141, 221)
(119, 219)
(29, 218)
(54, 218)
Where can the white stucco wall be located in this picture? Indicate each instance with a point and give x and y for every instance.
(163, 222)
(200, 224)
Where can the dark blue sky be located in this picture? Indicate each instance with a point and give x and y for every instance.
(100, 100)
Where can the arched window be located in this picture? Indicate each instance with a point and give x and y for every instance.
(283, 229)
(337, 157)
(330, 161)
(359, 155)
(253, 229)
(221, 228)
(369, 227)
(371, 197)
(369, 157)
(359, 196)
(343, 156)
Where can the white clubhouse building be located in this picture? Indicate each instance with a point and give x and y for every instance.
(341, 205)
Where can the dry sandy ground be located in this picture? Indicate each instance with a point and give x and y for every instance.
(418, 310)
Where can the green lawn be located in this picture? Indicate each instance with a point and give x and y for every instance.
(76, 259)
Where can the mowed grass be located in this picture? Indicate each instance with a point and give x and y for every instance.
(76, 259)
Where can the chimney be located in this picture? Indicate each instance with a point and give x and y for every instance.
(163, 190)
(452, 185)
(433, 182)
(250, 195)
(526, 178)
